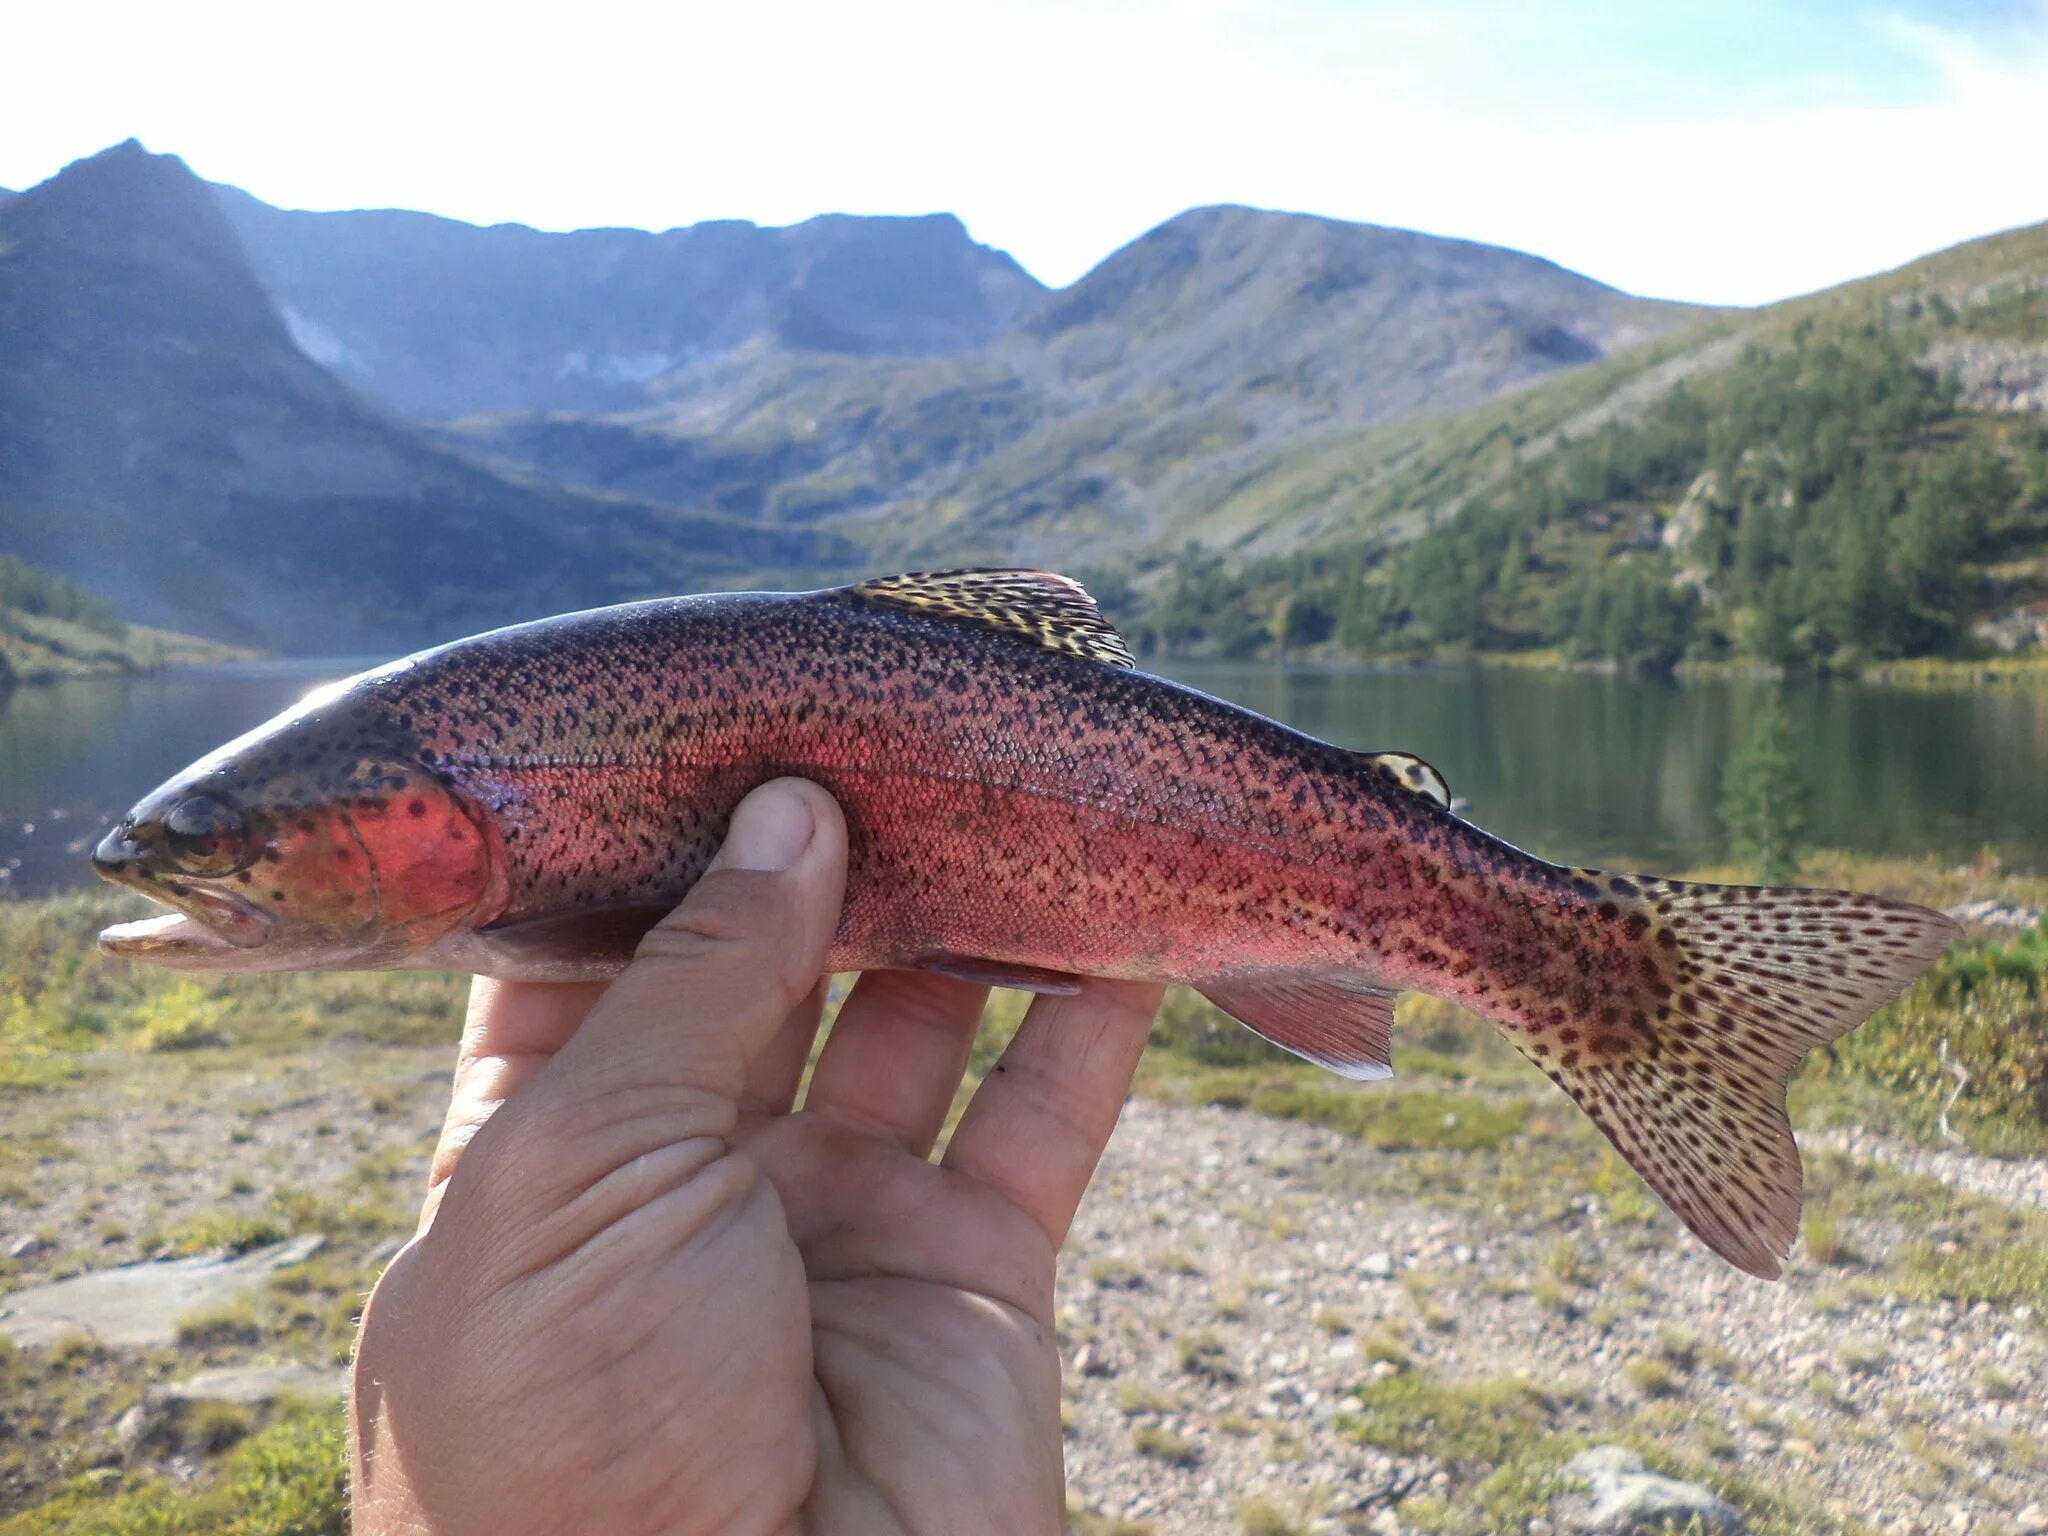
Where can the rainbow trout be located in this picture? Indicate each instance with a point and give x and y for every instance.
(1024, 808)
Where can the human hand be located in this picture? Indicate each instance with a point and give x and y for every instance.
(646, 1296)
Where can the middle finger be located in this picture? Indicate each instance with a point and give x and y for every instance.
(896, 1055)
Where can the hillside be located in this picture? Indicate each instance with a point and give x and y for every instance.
(1856, 476)
(172, 449)
(435, 318)
(51, 628)
(1202, 348)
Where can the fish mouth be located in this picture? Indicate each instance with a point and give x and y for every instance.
(202, 925)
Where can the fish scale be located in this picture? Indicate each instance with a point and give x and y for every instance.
(1023, 807)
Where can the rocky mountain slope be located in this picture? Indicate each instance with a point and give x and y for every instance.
(1857, 476)
(435, 318)
(1110, 407)
(168, 445)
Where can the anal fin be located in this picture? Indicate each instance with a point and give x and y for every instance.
(1332, 1018)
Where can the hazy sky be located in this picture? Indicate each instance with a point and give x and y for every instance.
(1718, 150)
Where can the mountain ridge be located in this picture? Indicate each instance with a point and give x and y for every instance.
(1271, 388)
(438, 318)
(172, 449)
(1203, 342)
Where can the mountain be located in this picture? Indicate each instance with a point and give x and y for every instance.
(165, 442)
(1263, 429)
(1851, 478)
(436, 318)
(1110, 408)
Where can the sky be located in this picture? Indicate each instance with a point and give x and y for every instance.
(1722, 151)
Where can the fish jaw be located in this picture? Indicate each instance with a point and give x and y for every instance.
(176, 941)
(206, 925)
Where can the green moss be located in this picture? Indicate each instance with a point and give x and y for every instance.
(1393, 1119)
(1477, 1421)
(288, 1480)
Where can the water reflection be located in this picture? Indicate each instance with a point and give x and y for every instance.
(1609, 771)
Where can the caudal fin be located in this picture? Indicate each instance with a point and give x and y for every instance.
(1682, 1055)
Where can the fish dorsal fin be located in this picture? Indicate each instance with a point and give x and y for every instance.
(1047, 610)
(1411, 773)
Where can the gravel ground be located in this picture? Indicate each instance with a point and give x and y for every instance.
(2021, 1183)
(1234, 1282)
(1263, 1236)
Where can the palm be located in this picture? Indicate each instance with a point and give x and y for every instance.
(807, 1325)
(649, 1296)
(931, 1345)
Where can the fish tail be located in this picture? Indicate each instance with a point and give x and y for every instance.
(1680, 1038)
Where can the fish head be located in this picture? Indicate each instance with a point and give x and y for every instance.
(322, 840)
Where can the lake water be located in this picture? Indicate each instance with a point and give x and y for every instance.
(1615, 772)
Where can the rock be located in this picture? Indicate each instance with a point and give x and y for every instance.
(140, 1304)
(2033, 1520)
(152, 1424)
(1616, 1494)
(28, 1247)
(1377, 1266)
(1995, 919)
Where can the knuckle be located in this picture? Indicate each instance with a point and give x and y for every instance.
(727, 909)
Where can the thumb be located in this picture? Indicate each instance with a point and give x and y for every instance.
(713, 982)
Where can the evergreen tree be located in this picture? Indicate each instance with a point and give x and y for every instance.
(1763, 797)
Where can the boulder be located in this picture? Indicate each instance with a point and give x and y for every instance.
(1613, 1493)
(153, 1423)
(140, 1304)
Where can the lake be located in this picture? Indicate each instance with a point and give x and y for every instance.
(1606, 771)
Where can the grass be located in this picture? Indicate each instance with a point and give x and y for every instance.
(1255, 1517)
(1163, 1445)
(216, 1232)
(287, 1480)
(1411, 1415)
(1504, 1442)
(1086, 1522)
(1133, 1399)
(1653, 1376)
(1206, 1356)
(1392, 1120)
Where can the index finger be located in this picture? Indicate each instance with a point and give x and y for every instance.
(1036, 1126)
(512, 1029)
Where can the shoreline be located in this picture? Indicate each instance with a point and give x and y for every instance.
(37, 652)
(2027, 670)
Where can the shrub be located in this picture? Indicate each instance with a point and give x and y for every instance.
(1990, 1005)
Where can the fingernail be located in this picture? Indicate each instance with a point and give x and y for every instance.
(770, 830)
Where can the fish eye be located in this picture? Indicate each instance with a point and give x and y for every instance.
(203, 835)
